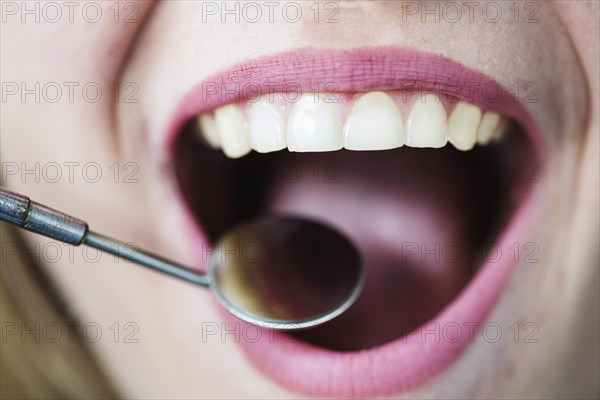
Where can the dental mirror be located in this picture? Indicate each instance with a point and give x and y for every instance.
(278, 272)
(285, 273)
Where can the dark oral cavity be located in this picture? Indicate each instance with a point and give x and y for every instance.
(423, 219)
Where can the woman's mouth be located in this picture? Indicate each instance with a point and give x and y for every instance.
(424, 164)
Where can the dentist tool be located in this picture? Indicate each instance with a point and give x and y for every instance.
(278, 272)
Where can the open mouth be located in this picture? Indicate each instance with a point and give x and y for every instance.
(426, 182)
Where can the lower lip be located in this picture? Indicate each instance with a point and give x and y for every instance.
(407, 362)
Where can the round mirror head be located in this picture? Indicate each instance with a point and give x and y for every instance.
(285, 273)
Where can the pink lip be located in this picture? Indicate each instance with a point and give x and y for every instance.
(409, 361)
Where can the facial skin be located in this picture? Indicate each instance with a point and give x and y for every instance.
(169, 51)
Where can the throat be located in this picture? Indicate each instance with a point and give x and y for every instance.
(402, 222)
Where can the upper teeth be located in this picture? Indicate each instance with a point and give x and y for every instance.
(314, 125)
(378, 114)
(374, 122)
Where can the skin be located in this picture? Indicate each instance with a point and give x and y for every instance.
(169, 51)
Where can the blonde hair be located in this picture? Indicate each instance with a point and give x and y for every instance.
(34, 368)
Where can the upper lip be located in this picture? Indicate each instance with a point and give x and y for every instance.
(358, 70)
(407, 362)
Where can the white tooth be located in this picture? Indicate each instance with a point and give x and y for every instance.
(267, 130)
(314, 125)
(463, 124)
(233, 131)
(491, 125)
(427, 123)
(208, 130)
(375, 123)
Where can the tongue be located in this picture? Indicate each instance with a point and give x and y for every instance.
(408, 220)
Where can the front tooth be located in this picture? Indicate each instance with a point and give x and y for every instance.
(463, 124)
(267, 130)
(427, 123)
(314, 125)
(491, 124)
(375, 123)
(209, 130)
(233, 131)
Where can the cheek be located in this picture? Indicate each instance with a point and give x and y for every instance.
(74, 41)
(57, 117)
